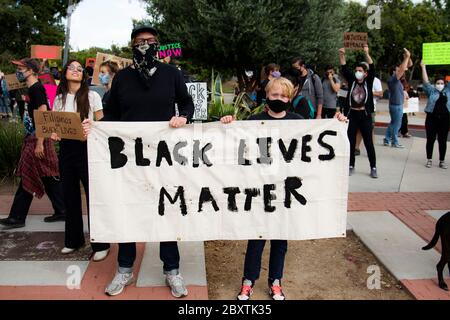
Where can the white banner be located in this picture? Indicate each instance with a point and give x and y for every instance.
(246, 180)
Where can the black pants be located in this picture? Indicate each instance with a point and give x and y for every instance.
(74, 168)
(252, 265)
(22, 199)
(363, 121)
(404, 127)
(168, 253)
(328, 113)
(437, 126)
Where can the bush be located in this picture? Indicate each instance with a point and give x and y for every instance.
(11, 139)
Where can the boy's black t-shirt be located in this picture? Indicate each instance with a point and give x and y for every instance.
(266, 116)
(38, 97)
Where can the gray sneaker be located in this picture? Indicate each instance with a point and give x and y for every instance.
(443, 165)
(120, 281)
(373, 173)
(398, 146)
(176, 283)
(429, 163)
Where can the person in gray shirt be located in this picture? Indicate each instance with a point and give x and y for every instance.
(331, 85)
(310, 85)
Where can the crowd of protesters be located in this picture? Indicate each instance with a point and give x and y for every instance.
(296, 93)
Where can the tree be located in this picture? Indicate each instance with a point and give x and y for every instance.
(241, 35)
(27, 22)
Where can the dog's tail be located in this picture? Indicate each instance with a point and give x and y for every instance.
(433, 241)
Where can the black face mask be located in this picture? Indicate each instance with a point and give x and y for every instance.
(278, 106)
(144, 60)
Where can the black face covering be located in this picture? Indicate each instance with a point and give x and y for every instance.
(144, 60)
(278, 106)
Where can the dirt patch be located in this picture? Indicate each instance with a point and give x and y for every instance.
(317, 269)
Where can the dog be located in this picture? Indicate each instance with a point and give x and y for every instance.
(443, 232)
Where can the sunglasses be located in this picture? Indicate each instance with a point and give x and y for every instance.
(73, 68)
(141, 42)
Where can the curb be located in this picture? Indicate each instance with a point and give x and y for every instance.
(410, 126)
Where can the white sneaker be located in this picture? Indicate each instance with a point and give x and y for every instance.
(67, 250)
(100, 255)
(120, 281)
(176, 284)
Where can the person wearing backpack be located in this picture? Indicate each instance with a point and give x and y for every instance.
(300, 104)
(310, 85)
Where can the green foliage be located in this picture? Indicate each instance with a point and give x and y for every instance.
(241, 109)
(11, 138)
(28, 22)
(238, 35)
(245, 34)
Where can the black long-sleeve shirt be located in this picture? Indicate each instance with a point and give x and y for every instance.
(131, 100)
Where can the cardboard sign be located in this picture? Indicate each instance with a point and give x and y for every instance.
(436, 53)
(172, 50)
(12, 82)
(355, 40)
(66, 124)
(102, 57)
(46, 52)
(90, 62)
(411, 105)
(199, 94)
(286, 179)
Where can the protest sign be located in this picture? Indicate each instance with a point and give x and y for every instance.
(199, 93)
(90, 62)
(66, 124)
(411, 105)
(46, 52)
(436, 53)
(12, 83)
(172, 50)
(355, 40)
(47, 78)
(102, 57)
(246, 180)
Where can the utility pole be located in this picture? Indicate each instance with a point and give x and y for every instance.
(70, 10)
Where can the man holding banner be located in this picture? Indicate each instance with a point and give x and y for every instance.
(148, 91)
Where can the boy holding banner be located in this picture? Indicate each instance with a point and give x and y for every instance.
(280, 92)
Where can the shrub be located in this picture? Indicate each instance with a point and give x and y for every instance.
(11, 138)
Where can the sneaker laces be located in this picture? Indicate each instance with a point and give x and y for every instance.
(276, 290)
(246, 290)
(121, 279)
(175, 280)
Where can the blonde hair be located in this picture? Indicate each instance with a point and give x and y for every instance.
(286, 86)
